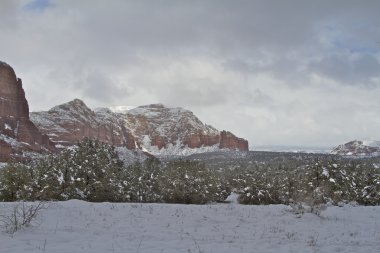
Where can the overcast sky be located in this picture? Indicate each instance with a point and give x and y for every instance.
(289, 72)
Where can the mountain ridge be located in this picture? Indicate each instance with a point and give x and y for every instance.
(358, 148)
(154, 128)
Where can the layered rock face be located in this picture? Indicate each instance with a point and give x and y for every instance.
(12, 101)
(358, 148)
(69, 123)
(164, 126)
(151, 128)
(230, 141)
(17, 132)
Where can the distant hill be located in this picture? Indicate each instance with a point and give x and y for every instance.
(358, 148)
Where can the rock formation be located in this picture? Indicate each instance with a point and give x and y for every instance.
(164, 126)
(152, 128)
(69, 123)
(358, 148)
(230, 141)
(17, 132)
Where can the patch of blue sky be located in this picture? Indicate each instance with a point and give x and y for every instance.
(37, 5)
(358, 38)
(365, 48)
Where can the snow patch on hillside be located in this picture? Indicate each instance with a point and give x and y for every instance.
(130, 156)
(12, 142)
(175, 150)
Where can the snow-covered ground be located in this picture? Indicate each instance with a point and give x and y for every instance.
(77, 226)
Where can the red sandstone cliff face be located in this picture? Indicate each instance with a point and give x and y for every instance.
(17, 132)
(230, 141)
(198, 140)
(158, 126)
(70, 123)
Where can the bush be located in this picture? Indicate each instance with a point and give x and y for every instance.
(20, 215)
(15, 182)
(313, 185)
(141, 181)
(92, 171)
(53, 177)
(188, 182)
(96, 171)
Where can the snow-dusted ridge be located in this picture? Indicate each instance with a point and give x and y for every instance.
(154, 128)
(371, 143)
(358, 148)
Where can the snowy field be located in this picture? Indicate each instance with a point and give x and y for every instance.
(77, 226)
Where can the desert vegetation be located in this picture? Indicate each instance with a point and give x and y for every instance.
(92, 171)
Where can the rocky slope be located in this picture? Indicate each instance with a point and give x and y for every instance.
(152, 128)
(17, 133)
(69, 123)
(358, 148)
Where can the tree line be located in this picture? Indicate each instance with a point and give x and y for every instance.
(92, 171)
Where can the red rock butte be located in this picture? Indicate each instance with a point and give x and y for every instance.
(17, 132)
(12, 95)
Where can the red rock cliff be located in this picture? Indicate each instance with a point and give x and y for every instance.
(230, 141)
(166, 126)
(12, 95)
(17, 132)
(70, 123)
(148, 127)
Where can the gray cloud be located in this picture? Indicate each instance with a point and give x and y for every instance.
(96, 86)
(349, 69)
(8, 14)
(274, 72)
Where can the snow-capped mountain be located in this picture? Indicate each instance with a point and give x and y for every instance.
(358, 148)
(154, 128)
